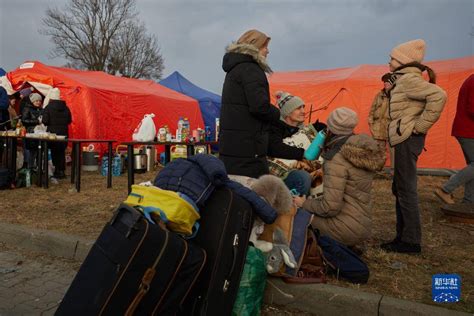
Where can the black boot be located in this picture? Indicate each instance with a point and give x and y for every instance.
(401, 247)
(390, 243)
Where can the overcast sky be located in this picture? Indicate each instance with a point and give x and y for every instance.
(306, 35)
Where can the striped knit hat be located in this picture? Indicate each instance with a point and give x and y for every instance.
(287, 103)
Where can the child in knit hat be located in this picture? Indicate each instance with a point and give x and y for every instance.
(415, 105)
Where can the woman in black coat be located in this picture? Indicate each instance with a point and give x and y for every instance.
(57, 117)
(246, 112)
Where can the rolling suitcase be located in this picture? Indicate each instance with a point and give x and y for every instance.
(134, 268)
(226, 222)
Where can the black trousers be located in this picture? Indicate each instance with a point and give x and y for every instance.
(404, 187)
(58, 156)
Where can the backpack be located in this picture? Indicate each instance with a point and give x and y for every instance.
(174, 209)
(342, 261)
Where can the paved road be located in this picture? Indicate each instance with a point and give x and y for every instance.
(34, 284)
(31, 284)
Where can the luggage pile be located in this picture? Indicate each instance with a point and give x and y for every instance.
(150, 259)
(181, 247)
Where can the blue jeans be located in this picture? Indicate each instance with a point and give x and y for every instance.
(299, 180)
(465, 176)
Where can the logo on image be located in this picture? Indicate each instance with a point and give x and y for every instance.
(446, 288)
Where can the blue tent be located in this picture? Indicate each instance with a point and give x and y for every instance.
(210, 103)
(2, 72)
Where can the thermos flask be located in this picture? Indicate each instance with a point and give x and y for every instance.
(314, 150)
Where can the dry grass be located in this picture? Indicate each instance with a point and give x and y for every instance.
(447, 247)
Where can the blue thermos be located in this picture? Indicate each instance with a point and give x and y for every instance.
(314, 150)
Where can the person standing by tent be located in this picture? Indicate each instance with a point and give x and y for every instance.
(31, 116)
(415, 105)
(57, 117)
(246, 112)
(378, 115)
(463, 130)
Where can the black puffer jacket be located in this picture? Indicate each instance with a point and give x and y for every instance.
(246, 112)
(57, 117)
(277, 149)
(30, 116)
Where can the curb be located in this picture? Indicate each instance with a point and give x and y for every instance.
(322, 299)
(326, 299)
(50, 242)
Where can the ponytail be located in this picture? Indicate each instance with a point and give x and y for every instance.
(431, 73)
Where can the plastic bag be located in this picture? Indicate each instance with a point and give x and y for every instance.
(40, 128)
(252, 284)
(146, 130)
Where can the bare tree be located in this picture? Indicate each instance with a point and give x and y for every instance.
(134, 54)
(103, 35)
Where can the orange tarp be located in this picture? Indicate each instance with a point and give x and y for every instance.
(109, 107)
(356, 88)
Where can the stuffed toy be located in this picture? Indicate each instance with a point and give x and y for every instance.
(274, 191)
(280, 253)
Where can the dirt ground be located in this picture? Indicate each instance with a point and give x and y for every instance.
(447, 247)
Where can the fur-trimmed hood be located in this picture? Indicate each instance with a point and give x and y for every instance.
(234, 57)
(363, 152)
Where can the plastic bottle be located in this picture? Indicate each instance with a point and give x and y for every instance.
(18, 128)
(27, 178)
(179, 129)
(314, 150)
(186, 128)
(208, 134)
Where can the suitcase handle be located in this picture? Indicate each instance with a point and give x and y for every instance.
(235, 245)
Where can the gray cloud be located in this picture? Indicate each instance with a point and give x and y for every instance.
(305, 34)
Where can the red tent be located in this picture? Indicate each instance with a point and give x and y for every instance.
(356, 87)
(105, 106)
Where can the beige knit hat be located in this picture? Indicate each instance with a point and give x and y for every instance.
(35, 97)
(412, 51)
(287, 103)
(342, 121)
(255, 38)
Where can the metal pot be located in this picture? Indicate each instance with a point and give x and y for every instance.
(90, 161)
(140, 162)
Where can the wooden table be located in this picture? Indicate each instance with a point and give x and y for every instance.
(130, 164)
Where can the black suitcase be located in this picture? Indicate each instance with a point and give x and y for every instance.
(226, 222)
(134, 268)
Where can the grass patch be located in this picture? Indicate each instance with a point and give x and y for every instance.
(447, 247)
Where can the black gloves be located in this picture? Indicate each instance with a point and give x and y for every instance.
(318, 126)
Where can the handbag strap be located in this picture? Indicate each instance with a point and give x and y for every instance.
(151, 209)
